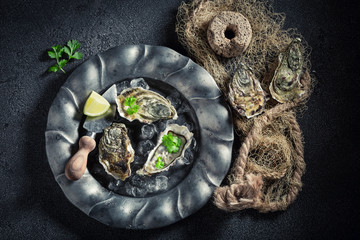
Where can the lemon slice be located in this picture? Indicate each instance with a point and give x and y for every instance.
(96, 105)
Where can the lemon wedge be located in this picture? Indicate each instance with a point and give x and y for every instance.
(95, 105)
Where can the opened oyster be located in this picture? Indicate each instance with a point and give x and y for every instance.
(285, 85)
(116, 152)
(145, 105)
(162, 157)
(245, 93)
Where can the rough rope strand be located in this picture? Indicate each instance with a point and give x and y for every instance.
(228, 197)
(269, 39)
(300, 166)
(298, 172)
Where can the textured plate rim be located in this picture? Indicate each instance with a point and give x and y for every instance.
(216, 132)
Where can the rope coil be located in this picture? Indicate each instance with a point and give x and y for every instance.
(245, 190)
(266, 174)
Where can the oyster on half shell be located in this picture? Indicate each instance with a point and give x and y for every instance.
(116, 152)
(245, 93)
(285, 85)
(151, 105)
(160, 152)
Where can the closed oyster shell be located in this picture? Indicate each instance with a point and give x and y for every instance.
(116, 152)
(169, 159)
(285, 85)
(245, 93)
(152, 106)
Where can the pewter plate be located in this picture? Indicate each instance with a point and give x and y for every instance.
(215, 138)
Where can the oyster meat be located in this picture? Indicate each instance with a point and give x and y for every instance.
(151, 106)
(161, 153)
(285, 85)
(245, 93)
(116, 152)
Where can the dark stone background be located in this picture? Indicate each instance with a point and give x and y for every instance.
(33, 205)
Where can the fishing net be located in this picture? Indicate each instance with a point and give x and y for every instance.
(267, 168)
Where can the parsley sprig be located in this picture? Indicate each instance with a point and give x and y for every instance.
(61, 60)
(73, 45)
(171, 142)
(130, 103)
(159, 163)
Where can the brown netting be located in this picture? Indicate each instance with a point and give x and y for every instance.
(266, 175)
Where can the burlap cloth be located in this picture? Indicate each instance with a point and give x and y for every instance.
(267, 169)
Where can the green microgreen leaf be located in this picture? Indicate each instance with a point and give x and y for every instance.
(61, 52)
(171, 142)
(76, 45)
(159, 163)
(73, 44)
(132, 107)
(78, 55)
(62, 63)
(130, 111)
(129, 101)
(54, 68)
(135, 108)
(52, 54)
(67, 50)
(57, 48)
(57, 54)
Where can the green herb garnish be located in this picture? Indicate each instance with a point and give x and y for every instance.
(73, 45)
(132, 107)
(159, 163)
(57, 53)
(171, 142)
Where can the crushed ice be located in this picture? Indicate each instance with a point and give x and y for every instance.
(148, 131)
(139, 82)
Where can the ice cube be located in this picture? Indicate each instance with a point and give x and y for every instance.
(137, 160)
(139, 192)
(189, 155)
(180, 120)
(150, 185)
(137, 181)
(122, 86)
(184, 161)
(189, 125)
(128, 188)
(183, 121)
(111, 186)
(145, 147)
(175, 100)
(184, 108)
(139, 82)
(147, 131)
(161, 183)
(161, 125)
(193, 144)
(119, 183)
